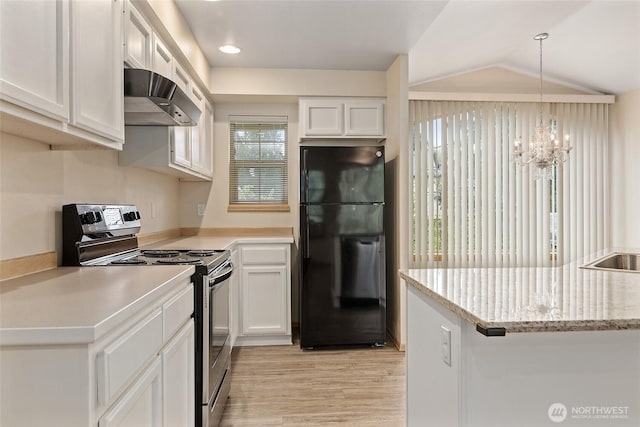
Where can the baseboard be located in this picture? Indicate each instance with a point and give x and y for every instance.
(21, 266)
(238, 231)
(395, 341)
(147, 239)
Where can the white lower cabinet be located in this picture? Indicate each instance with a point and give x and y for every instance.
(141, 405)
(164, 394)
(178, 379)
(141, 374)
(264, 294)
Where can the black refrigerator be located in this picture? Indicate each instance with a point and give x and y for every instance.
(342, 247)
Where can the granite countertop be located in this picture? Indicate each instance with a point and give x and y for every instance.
(543, 299)
(73, 305)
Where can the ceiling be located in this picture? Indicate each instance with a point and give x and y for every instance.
(593, 45)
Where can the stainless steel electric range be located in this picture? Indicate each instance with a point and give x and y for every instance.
(105, 235)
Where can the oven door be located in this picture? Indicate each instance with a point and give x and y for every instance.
(219, 344)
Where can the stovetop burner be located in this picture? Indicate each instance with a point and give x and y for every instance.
(182, 259)
(128, 261)
(203, 252)
(160, 253)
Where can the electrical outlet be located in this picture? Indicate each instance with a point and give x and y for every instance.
(445, 341)
(201, 208)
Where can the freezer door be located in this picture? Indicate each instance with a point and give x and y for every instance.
(343, 288)
(334, 175)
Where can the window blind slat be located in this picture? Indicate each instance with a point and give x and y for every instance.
(475, 207)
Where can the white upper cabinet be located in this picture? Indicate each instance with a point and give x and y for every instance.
(183, 151)
(61, 78)
(96, 58)
(164, 149)
(202, 135)
(181, 139)
(34, 56)
(162, 60)
(364, 118)
(206, 141)
(350, 118)
(138, 39)
(321, 117)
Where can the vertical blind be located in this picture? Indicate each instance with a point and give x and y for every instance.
(473, 206)
(258, 160)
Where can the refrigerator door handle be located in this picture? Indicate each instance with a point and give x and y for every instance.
(305, 172)
(307, 248)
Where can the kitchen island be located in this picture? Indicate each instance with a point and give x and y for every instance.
(523, 346)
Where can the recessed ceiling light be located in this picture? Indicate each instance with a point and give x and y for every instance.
(230, 49)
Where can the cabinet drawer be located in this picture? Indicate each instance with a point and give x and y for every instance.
(264, 255)
(176, 311)
(121, 360)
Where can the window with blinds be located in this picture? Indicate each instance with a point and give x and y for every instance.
(473, 206)
(258, 160)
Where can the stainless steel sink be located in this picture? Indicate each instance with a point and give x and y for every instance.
(617, 262)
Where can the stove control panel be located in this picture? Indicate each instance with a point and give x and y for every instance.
(98, 219)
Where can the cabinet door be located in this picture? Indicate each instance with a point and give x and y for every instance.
(141, 405)
(197, 134)
(34, 56)
(201, 146)
(181, 146)
(97, 79)
(206, 140)
(364, 118)
(265, 308)
(321, 117)
(178, 378)
(138, 38)
(161, 58)
(182, 135)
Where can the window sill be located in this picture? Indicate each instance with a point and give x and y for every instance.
(258, 208)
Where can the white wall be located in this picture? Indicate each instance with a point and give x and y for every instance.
(624, 158)
(35, 182)
(216, 195)
(496, 80)
(397, 194)
(294, 83)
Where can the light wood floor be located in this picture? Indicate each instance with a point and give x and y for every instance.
(285, 386)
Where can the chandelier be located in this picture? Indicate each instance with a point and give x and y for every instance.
(545, 149)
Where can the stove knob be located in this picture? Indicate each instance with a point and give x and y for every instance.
(126, 216)
(89, 218)
(98, 216)
(137, 215)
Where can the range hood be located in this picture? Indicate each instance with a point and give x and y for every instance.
(153, 100)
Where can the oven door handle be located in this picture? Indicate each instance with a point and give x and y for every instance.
(223, 275)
